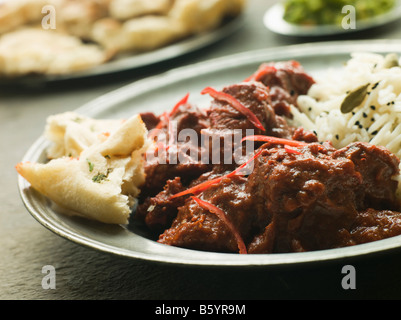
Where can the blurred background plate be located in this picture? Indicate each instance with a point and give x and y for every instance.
(159, 93)
(128, 62)
(274, 21)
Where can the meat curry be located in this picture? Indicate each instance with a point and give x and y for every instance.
(301, 194)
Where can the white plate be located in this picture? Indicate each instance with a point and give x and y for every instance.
(132, 61)
(273, 20)
(160, 93)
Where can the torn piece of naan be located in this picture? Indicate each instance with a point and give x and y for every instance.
(103, 182)
(70, 133)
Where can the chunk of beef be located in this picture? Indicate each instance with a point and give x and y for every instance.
(377, 166)
(189, 116)
(300, 134)
(256, 97)
(150, 120)
(228, 125)
(372, 225)
(315, 198)
(157, 173)
(173, 154)
(286, 80)
(198, 228)
(308, 196)
(159, 211)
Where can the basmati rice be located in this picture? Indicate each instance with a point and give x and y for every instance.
(376, 120)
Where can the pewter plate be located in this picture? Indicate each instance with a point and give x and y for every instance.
(274, 21)
(160, 93)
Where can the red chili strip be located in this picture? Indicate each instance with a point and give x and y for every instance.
(167, 115)
(237, 171)
(259, 74)
(205, 185)
(286, 142)
(179, 104)
(222, 216)
(235, 104)
(156, 129)
(198, 188)
(290, 150)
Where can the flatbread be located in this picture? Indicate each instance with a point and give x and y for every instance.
(128, 9)
(103, 182)
(16, 13)
(87, 33)
(136, 35)
(35, 50)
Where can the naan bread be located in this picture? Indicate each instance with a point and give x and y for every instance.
(76, 17)
(71, 133)
(103, 182)
(89, 33)
(35, 50)
(140, 34)
(128, 9)
(201, 15)
(16, 13)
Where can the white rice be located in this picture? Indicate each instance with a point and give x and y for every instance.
(376, 120)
